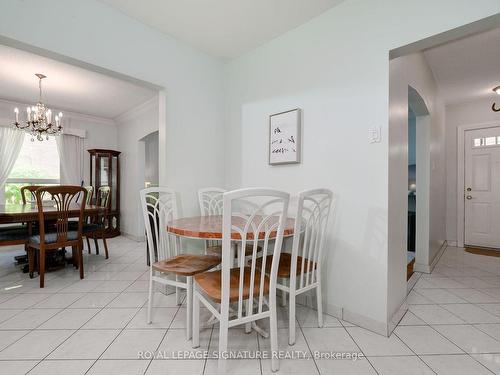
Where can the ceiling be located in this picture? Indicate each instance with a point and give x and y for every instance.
(66, 87)
(467, 69)
(223, 28)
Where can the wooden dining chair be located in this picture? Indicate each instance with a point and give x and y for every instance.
(96, 227)
(159, 206)
(18, 234)
(302, 266)
(29, 190)
(252, 292)
(64, 197)
(90, 193)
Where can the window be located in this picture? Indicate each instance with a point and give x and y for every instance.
(37, 164)
(486, 141)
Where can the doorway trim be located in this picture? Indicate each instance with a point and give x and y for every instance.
(461, 175)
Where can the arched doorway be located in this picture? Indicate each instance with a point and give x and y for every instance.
(418, 182)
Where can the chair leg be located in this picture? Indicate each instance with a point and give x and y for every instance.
(283, 295)
(31, 261)
(105, 246)
(80, 259)
(96, 246)
(196, 321)
(223, 333)
(319, 301)
(291, 319)
(189, 312)
(74, 256)
(178, 296)
(248, 326)
(151, 295)
(41, 266)
(88, 243)
(273, 332)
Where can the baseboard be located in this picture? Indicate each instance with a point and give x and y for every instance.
(307, 299)
(426, 268)
(452, 243)
(438, 255)
(413, 280)
(365, 322)
(396, 318)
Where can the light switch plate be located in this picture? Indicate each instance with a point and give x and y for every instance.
(374, 135)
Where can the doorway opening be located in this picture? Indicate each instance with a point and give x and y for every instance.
(151, 159)
(418, 181)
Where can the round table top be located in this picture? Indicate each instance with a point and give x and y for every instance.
(210, 227)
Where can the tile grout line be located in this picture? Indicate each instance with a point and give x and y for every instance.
(352, 338)
(75, 331)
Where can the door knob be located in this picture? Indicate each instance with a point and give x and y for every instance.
(469, 197)
(469, 189)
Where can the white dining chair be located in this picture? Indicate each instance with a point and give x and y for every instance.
(252, 293)
(210, 201)
(302, 267)
(159, 206)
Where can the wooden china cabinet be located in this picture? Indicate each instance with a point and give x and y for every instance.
(105, 171)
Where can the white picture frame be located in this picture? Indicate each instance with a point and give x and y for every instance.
(285, 137)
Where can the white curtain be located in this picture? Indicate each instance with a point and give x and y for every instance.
(11, 141)
(71, 154)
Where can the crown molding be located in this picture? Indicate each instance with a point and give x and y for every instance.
(138, 110)
(67, 114)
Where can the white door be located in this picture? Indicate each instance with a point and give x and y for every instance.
(482, 187)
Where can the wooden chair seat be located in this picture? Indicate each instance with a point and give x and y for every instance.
(52, 238)
(285, 264)
(211, 282)
(217, 250)
(187, 264)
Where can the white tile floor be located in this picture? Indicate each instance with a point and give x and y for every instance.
(97, 326)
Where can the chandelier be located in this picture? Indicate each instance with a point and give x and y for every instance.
(39, 118)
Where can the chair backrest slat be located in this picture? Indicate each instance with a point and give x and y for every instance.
(210, 201)
(260, 221)
(65, 200)
(159, 207)
(313, 211)
(90, 192)
(31, 189)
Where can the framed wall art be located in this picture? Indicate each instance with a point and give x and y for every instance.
(285, 137)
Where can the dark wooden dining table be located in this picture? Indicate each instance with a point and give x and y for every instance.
(25, 213)
(28, 213)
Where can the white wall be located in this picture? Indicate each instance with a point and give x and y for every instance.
(191, 134)
(336, 68)
(413, 70)
(471, 113)
(134, 125)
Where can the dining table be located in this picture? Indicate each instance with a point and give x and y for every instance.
(210, 228)
(28, 213)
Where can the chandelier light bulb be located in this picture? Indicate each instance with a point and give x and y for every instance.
(39, 118)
